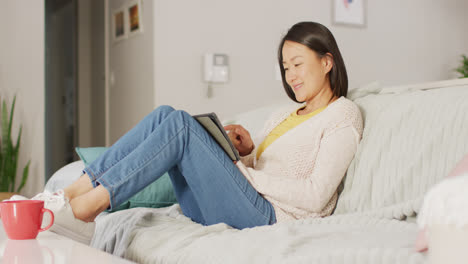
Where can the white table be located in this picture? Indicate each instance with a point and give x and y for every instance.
(50, 247)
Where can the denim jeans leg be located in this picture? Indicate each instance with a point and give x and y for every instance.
(185, 196)
(214, 185)
(215, 191)
(127, 143)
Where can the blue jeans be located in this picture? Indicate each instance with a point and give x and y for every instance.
(208, 185)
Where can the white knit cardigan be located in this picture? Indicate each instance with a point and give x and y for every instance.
(299, 173)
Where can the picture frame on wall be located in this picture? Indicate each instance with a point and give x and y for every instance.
(349, 12)
(135, 17)
(119, 30)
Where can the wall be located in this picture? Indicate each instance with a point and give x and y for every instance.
(98, 74)
(407, 42)
(91, 73)
(404, 42)
(131, 65)
(22, 73)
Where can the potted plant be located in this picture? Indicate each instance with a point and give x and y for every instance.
(9, 155)
(463, 69)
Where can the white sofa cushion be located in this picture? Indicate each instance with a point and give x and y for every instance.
(255, 119)
(65, 176)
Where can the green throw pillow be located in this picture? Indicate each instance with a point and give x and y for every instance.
(158, 194)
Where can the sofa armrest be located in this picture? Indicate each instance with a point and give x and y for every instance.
(65, 176)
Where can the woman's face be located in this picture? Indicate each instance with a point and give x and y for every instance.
(305, 71)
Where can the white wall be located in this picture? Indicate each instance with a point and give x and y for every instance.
(98, 73)
(22, 73)
(91, 73)
(404, 42)
(131, 64)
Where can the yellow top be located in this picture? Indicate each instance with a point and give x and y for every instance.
(289, 123)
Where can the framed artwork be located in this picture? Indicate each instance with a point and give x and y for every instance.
(119, 31)
(135, 18)
(349, 12)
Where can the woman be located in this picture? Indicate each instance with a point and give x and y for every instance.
(294, 173)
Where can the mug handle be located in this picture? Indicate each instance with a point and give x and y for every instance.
(44, 210)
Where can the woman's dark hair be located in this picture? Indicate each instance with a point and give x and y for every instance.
(318, 38)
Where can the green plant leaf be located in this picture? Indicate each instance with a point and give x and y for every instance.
(2, 174)
(10, 122)
(7, 149)
(9, 152)
(15, 155)
(4, 126)
(11, 166)
(1, 152)
(463, 69)
(24, 177)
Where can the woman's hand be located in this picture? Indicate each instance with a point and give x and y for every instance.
(241, 139)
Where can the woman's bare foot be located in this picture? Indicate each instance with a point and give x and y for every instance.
(89, 205)
(79, 187)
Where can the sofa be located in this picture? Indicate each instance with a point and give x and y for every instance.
(413, 136)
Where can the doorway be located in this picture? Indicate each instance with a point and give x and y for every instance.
(61, 83)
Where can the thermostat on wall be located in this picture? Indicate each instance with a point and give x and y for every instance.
(216, 68)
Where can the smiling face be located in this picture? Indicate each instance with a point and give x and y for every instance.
(306, 73)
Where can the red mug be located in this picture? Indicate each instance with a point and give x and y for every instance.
(22, 219)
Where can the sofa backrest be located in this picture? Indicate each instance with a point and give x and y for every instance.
(413, 136)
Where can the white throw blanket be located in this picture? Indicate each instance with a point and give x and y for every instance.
(166, 236)
(115, 231)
